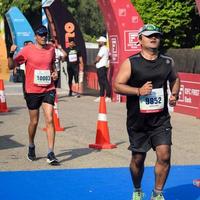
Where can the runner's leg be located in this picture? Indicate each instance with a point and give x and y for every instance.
(137, 168)
(48, 115)
(34, 118)
(162, 166)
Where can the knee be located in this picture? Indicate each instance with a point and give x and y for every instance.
(138, 162)
(164, 159)
(49, 120)
(34, 122)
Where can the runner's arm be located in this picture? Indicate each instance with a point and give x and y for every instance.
(120, 84)
(54, 73)
(11, 63)
(81, 65)
(64, 54)
(174, 82)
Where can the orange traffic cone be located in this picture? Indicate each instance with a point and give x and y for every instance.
(102, 134)
(56, 120)
(3, 105)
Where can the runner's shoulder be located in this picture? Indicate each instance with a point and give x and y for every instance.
(167, 59)
(135, 57)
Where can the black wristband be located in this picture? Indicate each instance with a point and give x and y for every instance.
(11, 54)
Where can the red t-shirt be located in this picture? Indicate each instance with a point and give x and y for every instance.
(35, 60)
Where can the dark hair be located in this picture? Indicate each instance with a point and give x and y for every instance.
(41, 30)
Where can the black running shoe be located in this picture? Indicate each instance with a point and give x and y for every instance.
(31, 154)
(77, 95)
(51, 159)
(70, 94)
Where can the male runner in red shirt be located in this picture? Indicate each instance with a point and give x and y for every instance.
(39, 87)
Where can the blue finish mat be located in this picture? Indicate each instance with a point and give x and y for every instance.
(94, 184)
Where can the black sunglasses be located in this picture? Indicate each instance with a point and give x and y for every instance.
(42, 34)
(156, 35)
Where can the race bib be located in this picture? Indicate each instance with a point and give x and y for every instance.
(42, 77)
(153, 102)
(72, 57)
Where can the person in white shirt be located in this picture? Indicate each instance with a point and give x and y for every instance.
(101, 63)
(60, 55)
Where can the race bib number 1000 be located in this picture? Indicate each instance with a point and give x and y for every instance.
(42, 77)
(153, 102)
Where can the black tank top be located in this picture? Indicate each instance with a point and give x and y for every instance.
(158, 71)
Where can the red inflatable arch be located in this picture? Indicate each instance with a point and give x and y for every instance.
(122, 23)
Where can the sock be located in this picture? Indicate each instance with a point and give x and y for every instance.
(50, 150)
(138, 190)
(31, 145)
(156, 192)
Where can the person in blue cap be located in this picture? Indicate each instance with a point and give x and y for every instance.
(143, 78)
(39, 59)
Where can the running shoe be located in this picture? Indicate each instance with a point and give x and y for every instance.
(31, 154)
(70, 94)
(77, 95)
(138, 196)
(51, 159)
(97, 99)
(158, 197)
(108, 99)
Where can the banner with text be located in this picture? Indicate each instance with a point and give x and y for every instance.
(63, 25)
(189, 97)
(122, 23)
(20, 28)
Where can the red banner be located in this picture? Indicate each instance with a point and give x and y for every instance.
(122, 22)
(189, 98)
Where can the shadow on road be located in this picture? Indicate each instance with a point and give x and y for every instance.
(7, 143)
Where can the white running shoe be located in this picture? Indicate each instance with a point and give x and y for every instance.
(108, 99)
(97, 99)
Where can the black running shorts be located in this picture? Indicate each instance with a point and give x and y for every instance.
(35, 100)
(145, 140)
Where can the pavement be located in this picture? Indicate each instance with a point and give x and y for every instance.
(78, 116)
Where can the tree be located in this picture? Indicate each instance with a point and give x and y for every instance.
(86, 12)
(177, 18)
(88, 16)
(90, 19)
(30, 8)
(23, 5)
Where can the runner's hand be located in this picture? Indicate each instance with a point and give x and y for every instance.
(146, 88)
(172, 100)
(54, 76)
(13, 48)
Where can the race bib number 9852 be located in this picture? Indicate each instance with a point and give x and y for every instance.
(153, 102)
(42, 77)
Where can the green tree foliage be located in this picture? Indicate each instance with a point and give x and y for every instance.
(30, 8)
(24, 5)
(88, 16)
(93, 21)
(86, 12)
(177, 19)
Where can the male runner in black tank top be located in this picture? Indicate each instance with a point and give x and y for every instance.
(143, 78)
